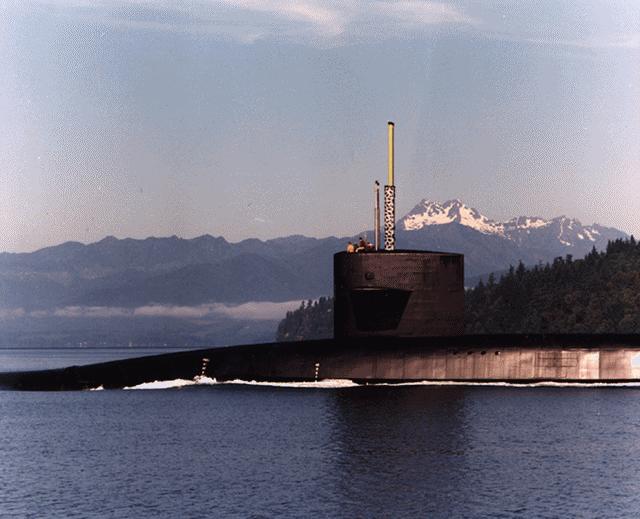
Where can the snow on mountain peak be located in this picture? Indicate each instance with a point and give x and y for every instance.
(428, 212)
(568, 231)
(527, 222)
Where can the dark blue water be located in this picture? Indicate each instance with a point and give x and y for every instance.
(249, 451)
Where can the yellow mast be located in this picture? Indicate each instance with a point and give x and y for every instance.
(390, 127)
(390, 199)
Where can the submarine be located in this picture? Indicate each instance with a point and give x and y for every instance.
(398, 318)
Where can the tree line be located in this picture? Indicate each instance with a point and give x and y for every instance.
(597, 294)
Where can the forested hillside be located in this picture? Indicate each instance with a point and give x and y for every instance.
(313, 320)
(600, 293)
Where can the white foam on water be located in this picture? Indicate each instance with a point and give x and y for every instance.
(207, 381)
(161, 384)
(99, 388)
(346, 383)
(173, 384)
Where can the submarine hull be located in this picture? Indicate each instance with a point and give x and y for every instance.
(481, 358)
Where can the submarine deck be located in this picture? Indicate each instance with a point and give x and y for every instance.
(477, 358)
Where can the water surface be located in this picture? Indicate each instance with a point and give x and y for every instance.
(260, 451)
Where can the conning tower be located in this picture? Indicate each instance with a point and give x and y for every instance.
(398, 293)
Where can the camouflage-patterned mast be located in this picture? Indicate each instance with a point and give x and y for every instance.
(390, 199)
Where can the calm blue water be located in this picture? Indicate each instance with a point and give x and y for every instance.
(248, 451)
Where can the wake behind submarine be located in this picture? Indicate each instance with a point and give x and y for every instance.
(398, 318)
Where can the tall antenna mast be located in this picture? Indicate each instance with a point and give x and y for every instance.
(390, 196)
(376, 214)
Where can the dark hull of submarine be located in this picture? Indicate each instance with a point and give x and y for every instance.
(481, 358)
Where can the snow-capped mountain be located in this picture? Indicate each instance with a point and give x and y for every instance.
(435, 213)
(523, 230)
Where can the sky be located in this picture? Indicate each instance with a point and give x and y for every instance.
(266, 118)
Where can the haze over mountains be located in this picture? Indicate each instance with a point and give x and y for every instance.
(127, 275)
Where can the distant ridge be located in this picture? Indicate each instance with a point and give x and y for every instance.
(107, 292)
(129, 272)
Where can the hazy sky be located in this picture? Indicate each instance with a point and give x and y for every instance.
(262, 118)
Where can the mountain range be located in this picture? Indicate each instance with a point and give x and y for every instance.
(524, 230)
(207, 291)
(492, 246)
(130, 272)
